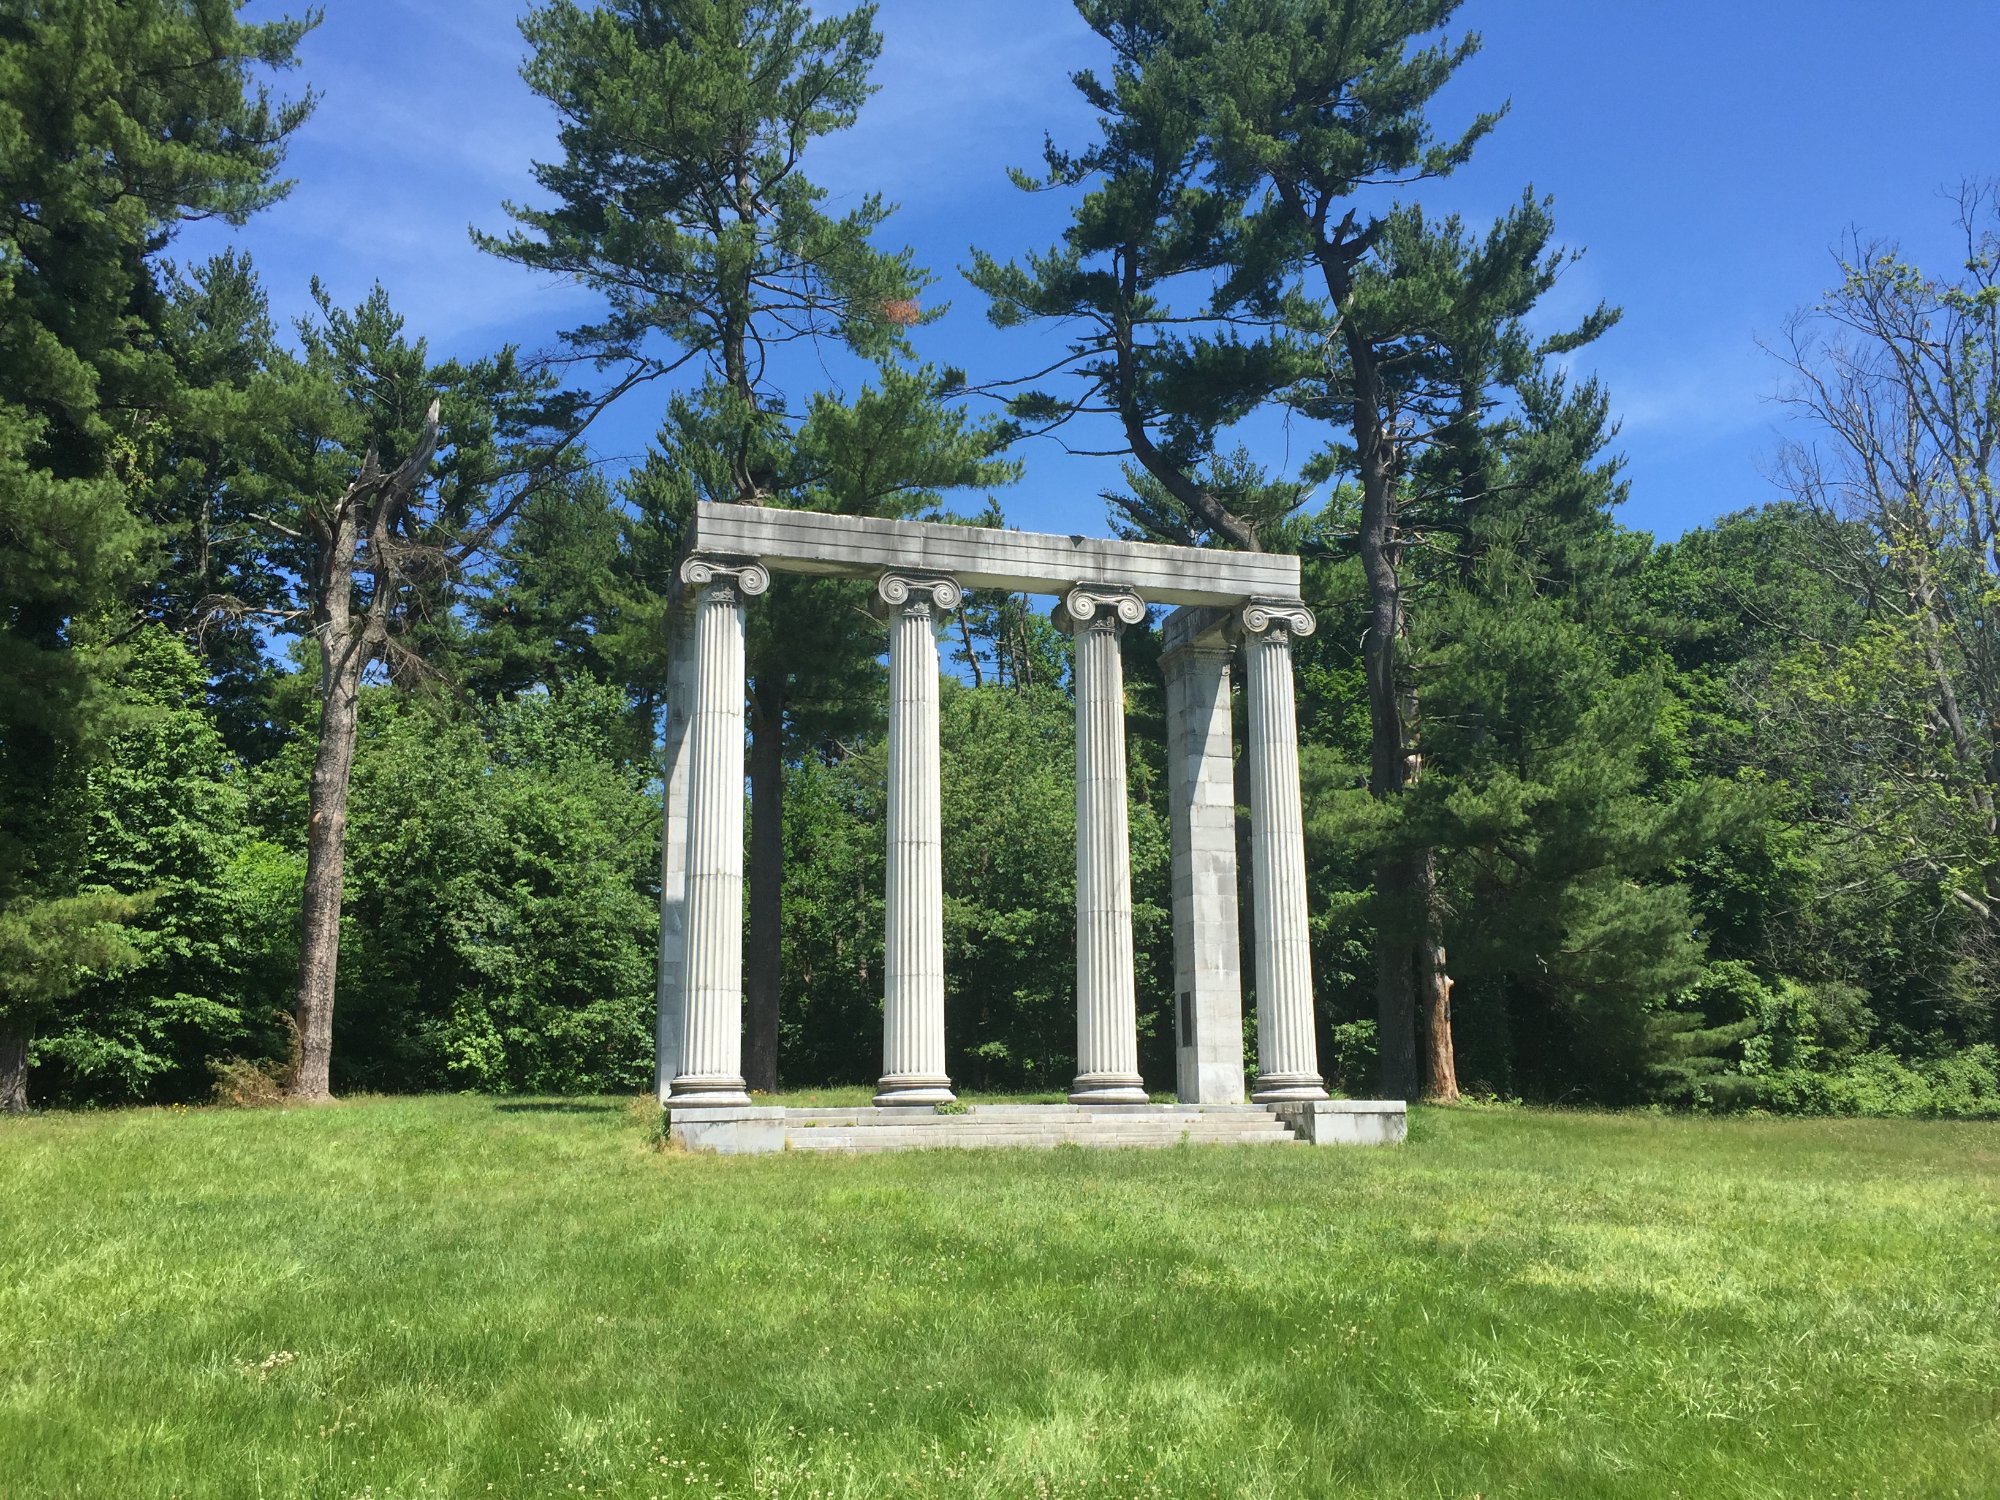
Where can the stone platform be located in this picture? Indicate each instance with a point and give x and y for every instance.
(734, 1131)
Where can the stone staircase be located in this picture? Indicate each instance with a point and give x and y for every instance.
(981, 1125)
(1038, 1125)
(757, 1129)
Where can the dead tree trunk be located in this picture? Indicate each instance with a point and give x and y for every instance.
(350, 635)
(1434, 989)
(326, 866)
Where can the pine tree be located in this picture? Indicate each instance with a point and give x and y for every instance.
(683, 199)
(119, 121)
(1233, 255)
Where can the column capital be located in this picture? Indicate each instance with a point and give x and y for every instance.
(1100, 606)
(740, 576)
(920, 591)
(1265, 617)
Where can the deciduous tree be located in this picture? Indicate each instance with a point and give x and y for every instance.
(386, 478)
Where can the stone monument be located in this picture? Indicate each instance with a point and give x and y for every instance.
(1225, 603)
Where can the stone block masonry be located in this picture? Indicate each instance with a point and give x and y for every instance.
(1231, 604)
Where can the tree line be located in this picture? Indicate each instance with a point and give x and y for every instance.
(334, 670)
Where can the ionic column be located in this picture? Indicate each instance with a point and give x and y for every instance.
(1201, 789)
(1287, 1053)
(711, 1063)
(673, 849)
(1107, 999)
(913, 1070)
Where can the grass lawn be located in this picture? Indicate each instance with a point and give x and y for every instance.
(459, 1296)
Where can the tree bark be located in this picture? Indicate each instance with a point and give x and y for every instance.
(326, 861)
(1410, 978)
(1434, 990)
(14, 1040)
(1396, 876)
(349, 637)
(762, 971)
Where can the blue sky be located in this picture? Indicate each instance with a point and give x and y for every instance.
(1707, 156)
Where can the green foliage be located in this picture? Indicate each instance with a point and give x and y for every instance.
(1963, 1086)
(503, 906)
(118, 122)
(835, 864)
(681, 199)
(1712, 821)
(359, 394)
(1544, 782)
(167, 826)
(1009, 821)
(198, 492)
(50, 949)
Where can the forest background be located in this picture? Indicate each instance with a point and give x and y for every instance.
(1707, 822)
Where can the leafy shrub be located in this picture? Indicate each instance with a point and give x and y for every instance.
(1963, 1086)
(1350, 1059)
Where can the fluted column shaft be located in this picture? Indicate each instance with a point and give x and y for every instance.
(913, 1064)
(1287, 1052)
(673, 850)
(711, 1067)
(1107, 1004)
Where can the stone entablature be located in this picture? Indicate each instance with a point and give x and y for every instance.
(980, 557)
(1230, 601)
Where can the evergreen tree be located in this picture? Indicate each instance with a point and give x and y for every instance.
(546, 612)
(119, 121)
(684, 201)
(1242, 144)
(1554, 793)
(190, 490)
(168, 824)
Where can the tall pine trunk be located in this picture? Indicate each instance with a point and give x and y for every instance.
(1395, 876)
(1411, 984)
(763, 965)
(14, 1040)
(326, 858)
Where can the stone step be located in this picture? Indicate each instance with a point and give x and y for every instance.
(837, 1138)
(898, 1117)
(868, 1144)
(739, 1131)
(947, 1124)
(1124, 1111)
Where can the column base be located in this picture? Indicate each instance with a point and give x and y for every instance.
(1108, 1088)
(913, 1088)
(1288, 1088)
(713, 1091)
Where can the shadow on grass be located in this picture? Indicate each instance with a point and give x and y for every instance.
(555, 1107)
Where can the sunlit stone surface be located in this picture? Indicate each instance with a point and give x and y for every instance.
(1229, 602)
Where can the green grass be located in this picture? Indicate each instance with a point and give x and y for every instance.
(459, 1297)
